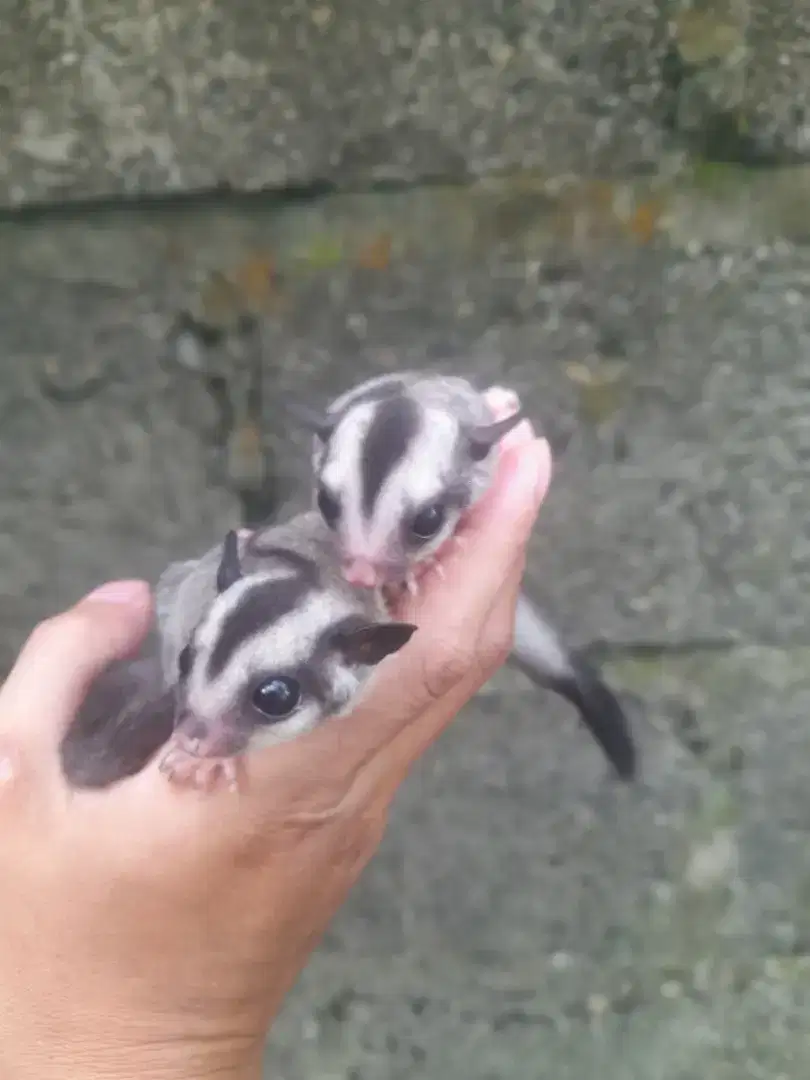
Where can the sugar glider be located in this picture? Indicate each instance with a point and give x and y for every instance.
(396, 462)
(260, 640)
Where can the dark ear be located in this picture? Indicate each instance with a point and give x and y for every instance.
(314, 420)
(229, 570)
(372, 643)
(482, 437)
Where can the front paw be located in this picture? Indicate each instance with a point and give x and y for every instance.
(502, 401)
(182, 766)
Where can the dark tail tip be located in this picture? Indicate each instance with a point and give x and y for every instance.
(604, 717)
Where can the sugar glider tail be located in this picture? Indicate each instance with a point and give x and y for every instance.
(538, 652)
(601, 713)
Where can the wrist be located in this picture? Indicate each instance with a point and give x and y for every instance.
(94, 1060)
(46, 1039)
(59, 1067)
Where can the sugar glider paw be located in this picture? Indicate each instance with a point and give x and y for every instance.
(502, 401)
(182, 766)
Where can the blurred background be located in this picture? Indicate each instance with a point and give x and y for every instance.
(205, 205)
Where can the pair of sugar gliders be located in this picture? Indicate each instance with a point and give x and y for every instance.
(278, 628)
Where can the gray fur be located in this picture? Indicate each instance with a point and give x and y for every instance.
(444, 459)
(126, 717)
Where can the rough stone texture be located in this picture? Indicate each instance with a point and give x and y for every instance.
(109, 97)
(778, 85)
(739, 72)
(525, 918)
(102, 97)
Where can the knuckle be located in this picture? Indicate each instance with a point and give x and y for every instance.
(496, 645)
(348, 828)
(50, 630)
(359, 831)
(449, 664)
(66, 625)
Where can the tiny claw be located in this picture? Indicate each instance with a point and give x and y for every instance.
(230, 773)
(411, 584)
(439, 570)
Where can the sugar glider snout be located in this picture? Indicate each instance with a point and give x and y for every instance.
(205, 738)
(362, 572)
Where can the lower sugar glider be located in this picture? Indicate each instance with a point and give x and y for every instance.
(260, 640)
(396, 462)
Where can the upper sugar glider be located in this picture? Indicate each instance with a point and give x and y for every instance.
(396, 463)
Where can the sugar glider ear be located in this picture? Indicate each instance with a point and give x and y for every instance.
(482, 437)
(371, 643)
(318, 421)
(230, 570)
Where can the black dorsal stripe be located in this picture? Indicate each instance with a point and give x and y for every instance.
(258, 607)
(390, 386)
(390, 433)
(302, 565)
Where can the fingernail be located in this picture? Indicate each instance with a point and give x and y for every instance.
(532, 470)
(117, 592)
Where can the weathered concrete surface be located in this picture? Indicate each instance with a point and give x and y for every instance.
(105, 97)
(739, 75)
(524, 918)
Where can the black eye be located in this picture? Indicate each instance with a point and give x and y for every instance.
(184, 662)
(428, 521)
(277, 696)
(328, 506)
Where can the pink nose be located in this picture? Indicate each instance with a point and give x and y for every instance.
(360, 572)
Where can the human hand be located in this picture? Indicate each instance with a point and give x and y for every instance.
(152, 931)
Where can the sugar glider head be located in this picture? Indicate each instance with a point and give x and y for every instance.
(393, 476)
(273, 656)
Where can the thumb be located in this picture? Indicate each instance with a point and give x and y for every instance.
(66, 653)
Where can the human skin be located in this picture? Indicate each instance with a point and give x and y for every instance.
(153, 931)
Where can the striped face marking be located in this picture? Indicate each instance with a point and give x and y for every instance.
(393, 484)
(393, 428)
(264, 629)
(275, 654)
